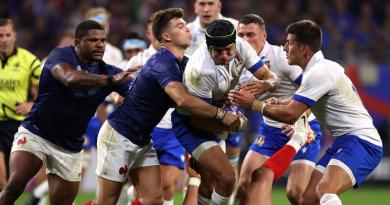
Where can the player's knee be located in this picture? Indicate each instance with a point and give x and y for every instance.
(294, 195)
(226, 178)
(308, 198)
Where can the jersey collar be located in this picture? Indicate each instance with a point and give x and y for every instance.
(318, 56)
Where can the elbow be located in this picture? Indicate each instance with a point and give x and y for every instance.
(183, 102)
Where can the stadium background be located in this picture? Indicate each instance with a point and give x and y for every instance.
(356, 34)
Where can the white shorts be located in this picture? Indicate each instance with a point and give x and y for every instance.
(57, 160)
(117, 155)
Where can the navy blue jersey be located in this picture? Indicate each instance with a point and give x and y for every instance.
(146, 103)
(60, 115)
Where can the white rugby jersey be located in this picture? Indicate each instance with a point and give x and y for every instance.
(207, 80)
(288, 75)
(198, 33)
(112, 55)
(140, 60)
(334, 100)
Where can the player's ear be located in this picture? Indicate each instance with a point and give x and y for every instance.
(77, 42)
(166, 37)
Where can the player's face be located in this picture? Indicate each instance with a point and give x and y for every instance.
(92, 45)
(223, 55)
(207, 10)
(294, 50)
(252, 33)
(7, 39)
(179, 33)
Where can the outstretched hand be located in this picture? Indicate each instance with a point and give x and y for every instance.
(255, 87)
(121, 77)
(241, 98)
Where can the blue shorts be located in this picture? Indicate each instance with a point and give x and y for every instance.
(234, 140)
(169, 150)
(272, 139)
(189, 137)
(360, 156)
(91, 133)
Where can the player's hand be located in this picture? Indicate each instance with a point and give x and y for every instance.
(121, 77)
(23, 108)
(272, 101)
(135, 69)
(255, 87)
(192, 168)
(241, 98)
(287, 130)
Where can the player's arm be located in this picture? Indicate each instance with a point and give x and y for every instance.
(267, 81)
(75, 79)
(198, 107)
(286, 113)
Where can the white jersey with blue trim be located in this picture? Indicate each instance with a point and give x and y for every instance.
(289, 76)
(207, 80)
(332, 97)
(198, 33)
(140, 60)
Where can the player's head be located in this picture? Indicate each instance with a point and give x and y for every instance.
(303, 40)
(100, 15)
(169, 27)
(251, 28)
(90, 40)
(7, 36)
(149, 31)
(207, 10)
(132, 45)
(221, 41)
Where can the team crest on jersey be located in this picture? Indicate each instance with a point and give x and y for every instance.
(238, 60)
(260, 140)
(304, 149)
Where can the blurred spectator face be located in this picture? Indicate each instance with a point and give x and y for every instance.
(223, 55)
(7, 39)
(129, 53)
(91, 46)
(294, 50)
(66, 40)
(179, 33)
(253, 34)
(207, 10)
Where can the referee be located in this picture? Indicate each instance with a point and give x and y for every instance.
(19, 77)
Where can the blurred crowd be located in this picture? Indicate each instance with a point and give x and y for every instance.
(353, 30)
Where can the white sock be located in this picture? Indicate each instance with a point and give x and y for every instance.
(217, 199)
(130, 194)
(299, 137)
(170, 202)
(295, 142)
(203, 200)
(330, 199)
(41, 190)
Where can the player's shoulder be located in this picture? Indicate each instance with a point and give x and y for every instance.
(25, 53)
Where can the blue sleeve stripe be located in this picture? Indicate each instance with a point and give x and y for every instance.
(256, 66)
(307, 101)
(298, 81)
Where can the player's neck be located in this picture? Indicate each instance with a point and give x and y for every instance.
(178, 52)
(7, 53)
(305, 61)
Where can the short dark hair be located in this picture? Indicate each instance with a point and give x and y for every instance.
(162, 19)
(220, 27)
(252, 18)
(7, 21)
(85, 26)
(306, 32)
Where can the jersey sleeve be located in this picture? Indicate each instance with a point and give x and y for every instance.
(166, 72)
(199, 81)
(35, 71)
(315, 84)
(251, 60)
(57, 56)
